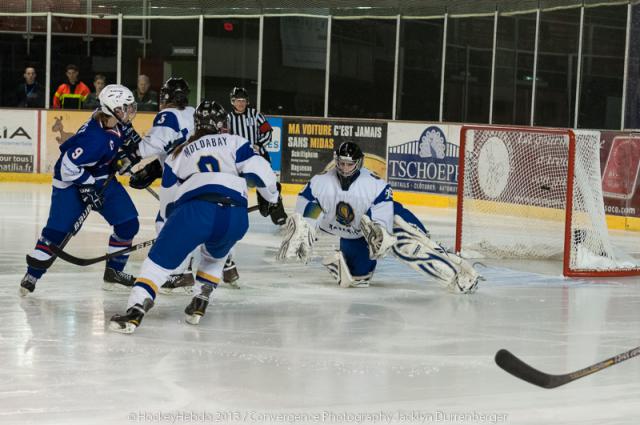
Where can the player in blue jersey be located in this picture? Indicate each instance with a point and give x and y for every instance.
(353, 203)
(209, 211)
(79, 177)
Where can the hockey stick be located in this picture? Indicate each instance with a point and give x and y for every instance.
(45, 264)
(513, 365)
(58, 251)
(89, 261)
(152, 192)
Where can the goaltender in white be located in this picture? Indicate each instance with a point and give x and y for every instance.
(353, 203)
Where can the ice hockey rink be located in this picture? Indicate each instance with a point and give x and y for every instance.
(291, 347)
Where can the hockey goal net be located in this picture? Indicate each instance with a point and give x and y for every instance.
(535, 193)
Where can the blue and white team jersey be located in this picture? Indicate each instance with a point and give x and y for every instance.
(171, 127)
(324, 204)
(218, 165)
(86, 156)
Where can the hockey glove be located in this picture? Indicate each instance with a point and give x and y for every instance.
(131, 135)
(278, 215)
(90, 196)
(147, 175)
(127, 157)
(265, 207)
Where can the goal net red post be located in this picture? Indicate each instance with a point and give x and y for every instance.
(536, 193)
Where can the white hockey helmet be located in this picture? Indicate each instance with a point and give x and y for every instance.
(116, 98)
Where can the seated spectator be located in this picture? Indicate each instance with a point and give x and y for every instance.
(92, 102)
(146, 99)
(73, 93)
(29, 94)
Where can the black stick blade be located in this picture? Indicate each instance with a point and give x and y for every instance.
(513, 365)
(521, 370)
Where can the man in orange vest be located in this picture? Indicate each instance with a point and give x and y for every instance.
(73, 93)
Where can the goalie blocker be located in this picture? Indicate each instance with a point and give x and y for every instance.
(351, 202)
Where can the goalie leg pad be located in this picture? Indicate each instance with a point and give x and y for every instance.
(405, 214)
(356, 255)
(426, 256)
(337, 266)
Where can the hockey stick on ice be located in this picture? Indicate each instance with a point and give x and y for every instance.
(89, 261)
(512, 364)
(58, 251)
(45, 264)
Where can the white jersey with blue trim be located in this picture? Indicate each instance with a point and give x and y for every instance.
(324, 204)
(218, 166)
(171, 127)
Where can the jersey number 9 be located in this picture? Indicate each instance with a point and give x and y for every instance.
(76, 153)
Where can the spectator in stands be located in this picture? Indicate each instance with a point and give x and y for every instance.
(29, 94)
(146, 99)
(92, 102)
(73, 93)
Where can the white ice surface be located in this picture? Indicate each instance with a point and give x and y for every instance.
(291, 342)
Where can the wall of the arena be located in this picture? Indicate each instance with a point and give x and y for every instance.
(420, 160)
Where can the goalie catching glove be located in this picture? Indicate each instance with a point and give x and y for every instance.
(298, 240)
(377, 237)
(425, 256)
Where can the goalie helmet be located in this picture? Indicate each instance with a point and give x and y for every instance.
(176, 91)
(348, 158)
(238, 93)
(210, 116)
(116, 98)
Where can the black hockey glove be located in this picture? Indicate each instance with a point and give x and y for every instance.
(147, 175)
(265, 207)
(130, 134)
(127, 157)
(90, 196)
(278, 214)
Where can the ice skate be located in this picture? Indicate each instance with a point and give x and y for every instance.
(128, 322)
(27, 285)
(230, 274)
(178, 284)
(115, 280)
(196, 309)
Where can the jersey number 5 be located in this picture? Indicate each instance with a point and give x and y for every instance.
(208, 164)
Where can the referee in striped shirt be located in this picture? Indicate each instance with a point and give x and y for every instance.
(248, 122)
(252, 125)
